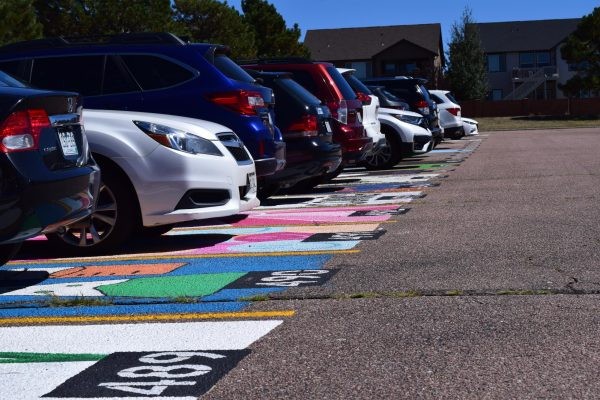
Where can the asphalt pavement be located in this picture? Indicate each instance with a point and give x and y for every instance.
(486, 289)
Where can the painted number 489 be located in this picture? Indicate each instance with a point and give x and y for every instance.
(293, 278)
(157, 366)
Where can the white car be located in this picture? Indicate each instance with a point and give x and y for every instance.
(370, 107)
(158, 170)
(406, 135)
(449, 113)
(470, 126)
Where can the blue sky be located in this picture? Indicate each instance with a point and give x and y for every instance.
(326, 14)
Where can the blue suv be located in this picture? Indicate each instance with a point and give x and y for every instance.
(155, 72)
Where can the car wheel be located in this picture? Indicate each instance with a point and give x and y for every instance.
(8, 251)
(113, 222)
(266, 190)
(153, 231)
(333, 174)
(385, 156)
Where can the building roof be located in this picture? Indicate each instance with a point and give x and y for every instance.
(364, 43)
(513, 36)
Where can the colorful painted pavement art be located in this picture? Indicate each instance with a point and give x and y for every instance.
(194, 280)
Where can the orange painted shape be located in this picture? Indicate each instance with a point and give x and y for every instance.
(116, 270)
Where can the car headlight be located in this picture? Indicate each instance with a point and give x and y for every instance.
(411, 119)
(177, 139)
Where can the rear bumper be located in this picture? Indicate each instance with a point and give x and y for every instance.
(268, 166)
(307, 158)
(29, 207)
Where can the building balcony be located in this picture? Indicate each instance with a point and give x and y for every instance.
(549, 73)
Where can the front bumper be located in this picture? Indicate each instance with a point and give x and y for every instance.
(174, 187)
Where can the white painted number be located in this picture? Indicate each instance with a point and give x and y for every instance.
(292, 278)
(161, 371)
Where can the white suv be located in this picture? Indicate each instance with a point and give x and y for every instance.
(370, 107)
(449, 114)
(158, 170)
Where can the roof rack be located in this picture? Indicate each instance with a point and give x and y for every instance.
(122, 38)
(277, 60)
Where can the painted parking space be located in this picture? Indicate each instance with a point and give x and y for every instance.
(187, 292)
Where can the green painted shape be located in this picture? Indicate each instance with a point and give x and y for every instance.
(18, 358)
(171, 286)
(426, 166)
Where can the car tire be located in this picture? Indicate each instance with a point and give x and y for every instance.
(153, 231)
(266, 190)
(8, 251)
(113, 222)
(385, 156)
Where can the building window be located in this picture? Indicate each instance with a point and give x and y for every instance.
(543, 59)
(526, 60)
(496, 62)
(389, 68)
(495, 94)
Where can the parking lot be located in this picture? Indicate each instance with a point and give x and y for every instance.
(469, 272)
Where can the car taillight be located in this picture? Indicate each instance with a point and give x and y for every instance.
(242, 101)
(365, 98)
(307, 125)
(21, 130)
(339, 111)
(422, 106)
(454, 111)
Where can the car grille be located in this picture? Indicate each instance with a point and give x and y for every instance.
(420, 141)
(201, 198)
(234, 145)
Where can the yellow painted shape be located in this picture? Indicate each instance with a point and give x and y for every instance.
(177, 317)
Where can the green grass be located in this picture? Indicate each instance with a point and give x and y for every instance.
(55, 301)
(487, 124)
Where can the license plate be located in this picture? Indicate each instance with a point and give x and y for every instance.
(328, 127)
(252, 182)
(67, 143)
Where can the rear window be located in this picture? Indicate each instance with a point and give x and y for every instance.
(436, 98)
(296, 90)
(391, 96)
(231, 70)
(356, 84)
(7, 80)
(451, 98)
(19, 69)
(81, 74)
(153, 72)
(340, 82)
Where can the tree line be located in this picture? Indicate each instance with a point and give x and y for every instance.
(260, 31)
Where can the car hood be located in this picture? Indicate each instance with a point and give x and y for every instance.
(394, 111)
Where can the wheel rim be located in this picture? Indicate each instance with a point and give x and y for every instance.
(380, 156)
(97, 227)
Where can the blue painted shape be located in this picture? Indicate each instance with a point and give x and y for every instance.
(293, 245)
(226, 231)
(236, 294)
(165, 308)
(449, 151)
(211, 264)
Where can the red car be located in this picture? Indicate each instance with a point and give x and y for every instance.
(324, 81)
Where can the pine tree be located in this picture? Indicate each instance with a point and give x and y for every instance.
(19, 21)
(583, 49)
(103, 17)
(273, 38)
(212, 21)
(466, 60)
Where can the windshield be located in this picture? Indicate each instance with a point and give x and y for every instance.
(228, 67)
(340, 82)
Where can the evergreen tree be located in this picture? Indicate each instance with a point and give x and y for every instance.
(583, 49)
(466, 73)
(103, 17)
(212, 21)
(19, 21)
(273, 38)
